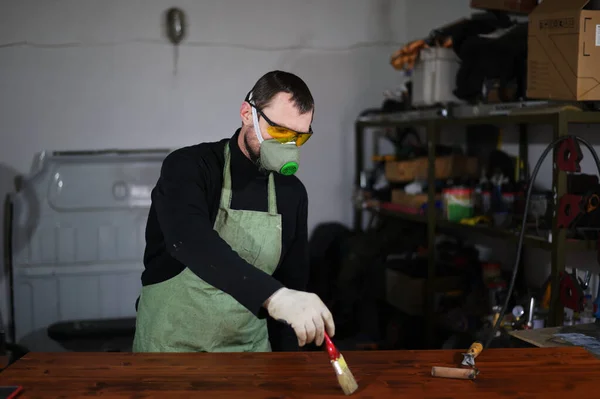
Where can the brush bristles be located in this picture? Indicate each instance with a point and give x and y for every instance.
(344, 375)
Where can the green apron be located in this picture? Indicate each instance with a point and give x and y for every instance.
(186, 314)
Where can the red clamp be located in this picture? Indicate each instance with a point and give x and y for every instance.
(571, 294)
(569, 208)
(569, 156)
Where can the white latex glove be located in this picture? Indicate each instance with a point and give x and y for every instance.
(304, 312)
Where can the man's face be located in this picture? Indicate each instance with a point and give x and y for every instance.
(282, 111)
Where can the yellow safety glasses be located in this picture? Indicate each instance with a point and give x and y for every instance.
(285, 135)
(281, 133)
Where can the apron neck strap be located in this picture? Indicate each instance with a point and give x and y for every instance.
(272, 195)
(226, 190)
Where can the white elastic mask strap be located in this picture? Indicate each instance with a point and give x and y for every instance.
(256, 125)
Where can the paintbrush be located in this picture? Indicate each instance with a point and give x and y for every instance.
(342, 371)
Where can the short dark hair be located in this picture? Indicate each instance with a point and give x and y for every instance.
(274, 82)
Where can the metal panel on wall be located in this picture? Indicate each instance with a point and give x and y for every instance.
(77, 236)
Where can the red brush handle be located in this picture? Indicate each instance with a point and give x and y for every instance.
(334, 354)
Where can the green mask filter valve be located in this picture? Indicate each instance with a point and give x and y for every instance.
(289, 168)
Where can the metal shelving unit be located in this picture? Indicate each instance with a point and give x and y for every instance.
(530, 241)
(557, 116)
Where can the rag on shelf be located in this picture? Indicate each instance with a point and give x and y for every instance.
(405, 58)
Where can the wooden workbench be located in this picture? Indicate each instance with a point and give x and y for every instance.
(504, 373)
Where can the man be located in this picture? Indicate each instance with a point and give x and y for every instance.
(226, 236)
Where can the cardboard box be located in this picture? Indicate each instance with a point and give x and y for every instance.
(445, 167)
(564, 52)
(514, 6)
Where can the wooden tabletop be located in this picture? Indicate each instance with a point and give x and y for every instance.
(504, 373)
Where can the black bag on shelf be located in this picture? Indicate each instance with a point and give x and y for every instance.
(491, 48)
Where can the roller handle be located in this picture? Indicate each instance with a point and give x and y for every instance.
(475, 349)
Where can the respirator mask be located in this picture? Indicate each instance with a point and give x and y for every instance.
(282, 153)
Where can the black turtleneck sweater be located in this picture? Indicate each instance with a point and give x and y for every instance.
(180, 233)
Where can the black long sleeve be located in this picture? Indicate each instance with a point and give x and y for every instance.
(185, 204)
(182, 210)
(294, 270)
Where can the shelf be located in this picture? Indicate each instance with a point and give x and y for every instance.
(492, 114)
(530, 241)
(557, 115)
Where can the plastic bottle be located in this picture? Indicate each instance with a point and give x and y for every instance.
(597, 304)
(587, 316)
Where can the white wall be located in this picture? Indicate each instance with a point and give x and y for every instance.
(426, 15)
(99, 74)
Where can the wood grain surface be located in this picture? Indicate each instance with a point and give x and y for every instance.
(504, 373)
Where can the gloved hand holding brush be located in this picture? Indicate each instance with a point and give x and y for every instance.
(304, 312)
